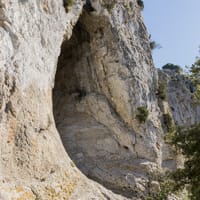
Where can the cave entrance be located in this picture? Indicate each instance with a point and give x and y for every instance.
(80, 103)
(85, 139)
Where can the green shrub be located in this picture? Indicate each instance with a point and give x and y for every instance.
(162, 93)
(187, 141)
(197, 62)
(68, 4)
(166, 188)
(171, 66)
(141, 4)
(154, 45)
(142, 114)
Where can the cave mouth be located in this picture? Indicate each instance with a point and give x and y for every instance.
(89, 142)
(85, 139)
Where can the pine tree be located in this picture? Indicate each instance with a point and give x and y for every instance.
(188, 142)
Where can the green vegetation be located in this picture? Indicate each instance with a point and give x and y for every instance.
(171, 66)
(141, 4)
(187, 141)
(195, 78)
(197, 63)
(142, 114)
(166, 188)
(68, 4)
(162, 93)
(154, 45)
(168, 122)
(184, 181)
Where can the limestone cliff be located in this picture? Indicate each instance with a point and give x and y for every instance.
(180, 97)
(83, 70)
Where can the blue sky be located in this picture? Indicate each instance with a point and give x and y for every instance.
(175, 25)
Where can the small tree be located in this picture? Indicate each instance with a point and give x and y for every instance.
(142, 114)
(188, 142)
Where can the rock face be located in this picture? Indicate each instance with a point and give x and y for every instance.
(180, 94)
(105, 72)
(84, 70)
(181, 105)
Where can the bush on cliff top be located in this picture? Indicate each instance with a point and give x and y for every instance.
(171, 66)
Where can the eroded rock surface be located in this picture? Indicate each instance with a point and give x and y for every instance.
(180, 95)
(97, 60)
